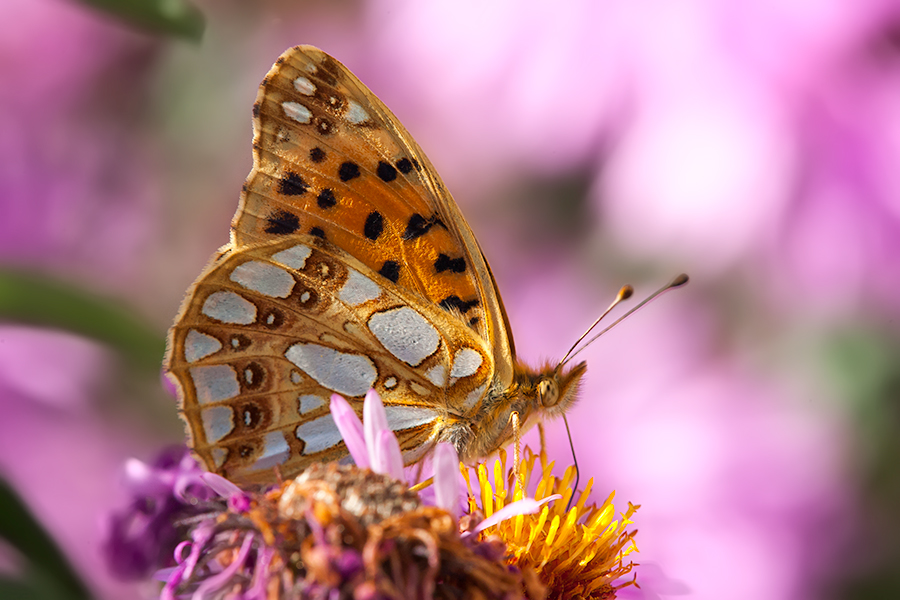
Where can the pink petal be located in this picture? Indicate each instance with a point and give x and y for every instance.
(221, 578)
(526, 506)
(351, 429)
(374, 421)
(390, 461)
(220, 485)
(446, 478)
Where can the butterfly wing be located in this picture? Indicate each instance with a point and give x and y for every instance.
(330, 159)
(349, 267)
(270, 332)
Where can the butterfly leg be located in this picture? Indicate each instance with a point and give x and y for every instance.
(520, 478)
(543, 454)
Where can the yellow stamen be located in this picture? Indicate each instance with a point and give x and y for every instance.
(578, 552)
(422, 485)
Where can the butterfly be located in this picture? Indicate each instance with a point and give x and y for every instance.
(349, 267)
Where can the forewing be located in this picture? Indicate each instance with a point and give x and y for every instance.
(331, 160)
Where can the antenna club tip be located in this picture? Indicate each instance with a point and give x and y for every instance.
(626, 292)
(679, 280)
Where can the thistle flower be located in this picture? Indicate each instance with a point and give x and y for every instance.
(576, 553)
(340, 531)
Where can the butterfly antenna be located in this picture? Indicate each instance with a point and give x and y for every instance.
(677, 282)
(624, 294)
(575, 462)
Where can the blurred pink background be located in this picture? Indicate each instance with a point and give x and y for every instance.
(754, 145)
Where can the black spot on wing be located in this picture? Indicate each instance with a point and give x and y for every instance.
(390, 270)
(445, 263)
(463, 306)
(326, 199)
(292, 185)
(316, 155)
(417, 226)
(386, 172)
(282, 222)
(348, 171)
(374, 225)
(318, 232)
(404, 166)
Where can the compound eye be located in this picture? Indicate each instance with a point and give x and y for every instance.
(547, 393)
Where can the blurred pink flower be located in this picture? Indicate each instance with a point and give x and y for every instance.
(719, 134)
(78, 180)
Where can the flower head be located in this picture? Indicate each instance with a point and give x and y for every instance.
(335, 530)
(342, 531)
(577, 552)
(167, 493)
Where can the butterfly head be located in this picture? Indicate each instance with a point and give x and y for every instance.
(555, 389)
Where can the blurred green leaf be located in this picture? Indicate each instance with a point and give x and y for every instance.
(39, 300)
(171, 17)
(47, 573)
(34, 585)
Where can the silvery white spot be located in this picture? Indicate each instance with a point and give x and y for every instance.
(319, 434)
(270, 319)
(405, 333)
(248, 418)
(264, 278)
(356, 114)
(248, 376)
(296, 377)
(390, 382)
(405, 417)
(228, 307)
(348, 374)
(465, 362)
(304, 86)
(235, 343)
(275, 451)
(218, 421)
(199, 345)
(296, 111)
(474, 396)
(293, 257)
(358, 289)
(437, 375)
(304, 297)
(219, 455)
(215, 383)
(309, 402)
(311, 68)
(323, 269)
